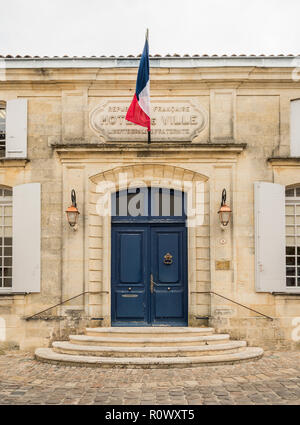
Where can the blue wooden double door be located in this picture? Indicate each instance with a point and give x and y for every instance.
(149, 269)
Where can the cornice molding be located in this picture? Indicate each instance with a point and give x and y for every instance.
(155, 62)
(143, 150)
(284, 161)
(126, 76)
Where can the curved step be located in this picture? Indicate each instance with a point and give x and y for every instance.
(49, 356)
(65, 347)
(149, 332)
(146, 342)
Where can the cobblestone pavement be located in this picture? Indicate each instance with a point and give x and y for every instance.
(274, 379)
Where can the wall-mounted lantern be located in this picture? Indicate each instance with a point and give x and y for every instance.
(72, 212)
(224, 211)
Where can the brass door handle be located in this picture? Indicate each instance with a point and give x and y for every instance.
(152, 283)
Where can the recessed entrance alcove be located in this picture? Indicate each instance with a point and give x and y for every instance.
(193, 227)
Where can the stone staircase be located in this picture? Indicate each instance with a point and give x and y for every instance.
(143, 347)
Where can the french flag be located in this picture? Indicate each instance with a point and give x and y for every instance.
(139, 109)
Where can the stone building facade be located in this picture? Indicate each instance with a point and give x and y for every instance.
(216, 123)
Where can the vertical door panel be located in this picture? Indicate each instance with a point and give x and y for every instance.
(168, 243)
(131, 257)
(169, 295)
(129, 275)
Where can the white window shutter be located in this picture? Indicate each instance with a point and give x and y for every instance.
(295, 128)
(16, 128)
(26, 237)
(269, 206)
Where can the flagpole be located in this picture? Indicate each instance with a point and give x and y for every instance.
(149, 131)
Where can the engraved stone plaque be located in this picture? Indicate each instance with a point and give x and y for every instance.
(171, 120)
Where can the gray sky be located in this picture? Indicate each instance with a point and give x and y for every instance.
(117, 27)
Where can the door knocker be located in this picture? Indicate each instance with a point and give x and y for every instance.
(168, 258)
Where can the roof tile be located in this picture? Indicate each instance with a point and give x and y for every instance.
(157, 55)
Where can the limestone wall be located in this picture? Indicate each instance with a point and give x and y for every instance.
(65, 153)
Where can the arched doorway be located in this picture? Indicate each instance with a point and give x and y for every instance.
(149, 278)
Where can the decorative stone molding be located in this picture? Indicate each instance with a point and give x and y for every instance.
(148, 172)
(203, 150)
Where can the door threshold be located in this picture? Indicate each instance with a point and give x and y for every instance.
(138, 325)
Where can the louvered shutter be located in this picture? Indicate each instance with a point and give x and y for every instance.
(16, 128)
(26, 237)
(269, 206)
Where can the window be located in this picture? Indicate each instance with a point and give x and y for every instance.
(2, 128)
(152, 202)
(5, 237)
(292, 214)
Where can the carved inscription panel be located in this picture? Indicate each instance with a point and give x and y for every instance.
(172, 120)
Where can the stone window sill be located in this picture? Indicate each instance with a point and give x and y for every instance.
(10, 294)
(13, 162)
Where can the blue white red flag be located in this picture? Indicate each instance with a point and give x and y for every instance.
(139, 110)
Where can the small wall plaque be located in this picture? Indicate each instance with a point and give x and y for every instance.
(222, 265)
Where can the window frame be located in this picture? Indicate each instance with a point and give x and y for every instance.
(6, 201)
(3, 148)
(293, 201)
(156, 201)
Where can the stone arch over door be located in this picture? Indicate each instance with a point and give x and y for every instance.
(102, 185)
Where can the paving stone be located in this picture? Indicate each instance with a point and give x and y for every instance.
(274, 379)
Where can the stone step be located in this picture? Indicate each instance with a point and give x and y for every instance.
(146, 342)
(149, 332)
(65, 347)
(50, 356)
